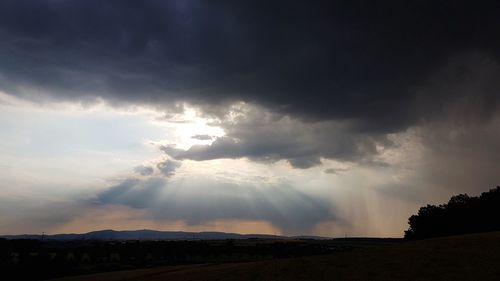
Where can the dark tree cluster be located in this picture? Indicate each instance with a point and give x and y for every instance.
(461, 215)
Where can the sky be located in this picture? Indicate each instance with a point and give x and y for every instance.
(331, 118)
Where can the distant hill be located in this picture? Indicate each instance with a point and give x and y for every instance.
(146, 234)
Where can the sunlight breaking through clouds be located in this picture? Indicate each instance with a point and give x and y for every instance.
(200, 202)
(197, 116)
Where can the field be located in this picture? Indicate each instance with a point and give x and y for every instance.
(467, 257)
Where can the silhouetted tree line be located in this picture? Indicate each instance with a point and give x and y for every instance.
(461, 215)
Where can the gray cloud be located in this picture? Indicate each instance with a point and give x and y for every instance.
(266, 136)
(335, 170)
(144, 170)
(202, 137)
(168, 167)
(133, 192)
(201, 202)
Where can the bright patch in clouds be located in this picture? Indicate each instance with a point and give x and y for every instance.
(186, 128)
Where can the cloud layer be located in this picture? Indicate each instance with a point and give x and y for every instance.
(364, 61)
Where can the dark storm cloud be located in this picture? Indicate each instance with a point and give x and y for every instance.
(197, 203)
(133, 192)
(357, 60)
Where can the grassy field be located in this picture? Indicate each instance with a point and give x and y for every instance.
(468, 257)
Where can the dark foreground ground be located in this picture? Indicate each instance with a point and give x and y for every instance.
(468, 257)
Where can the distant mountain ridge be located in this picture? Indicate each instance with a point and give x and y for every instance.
(146, 234)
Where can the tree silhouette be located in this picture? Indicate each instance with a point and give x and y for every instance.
(462, 214)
